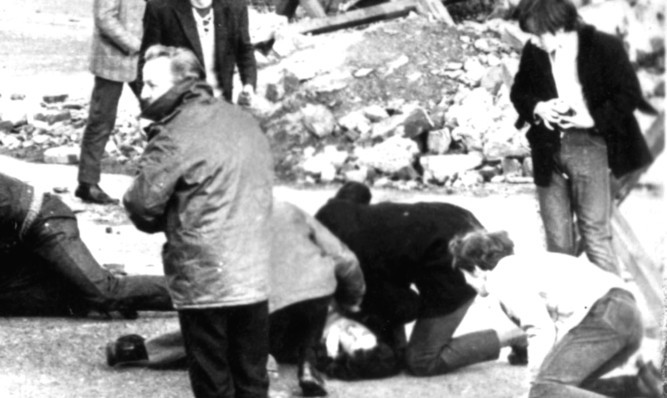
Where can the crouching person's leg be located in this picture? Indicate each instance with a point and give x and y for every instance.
(54, 236)
(432, 350)
(295, 332)
(605, 338)
(227, 350)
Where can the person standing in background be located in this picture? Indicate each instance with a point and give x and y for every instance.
(114, 61)
(216, 31)
(578, 91)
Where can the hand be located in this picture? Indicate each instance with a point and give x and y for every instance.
(246, 95)
(549, 112)
(576, 120)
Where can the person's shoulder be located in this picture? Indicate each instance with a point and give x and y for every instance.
(160, 4)
(590, 36)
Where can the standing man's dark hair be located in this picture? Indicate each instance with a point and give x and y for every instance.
(113, 61)
(542, 16)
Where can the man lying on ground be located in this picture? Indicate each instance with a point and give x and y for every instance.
(581, 321)
(400, 245)
(308, 266)
(48, 271)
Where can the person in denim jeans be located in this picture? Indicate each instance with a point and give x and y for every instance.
(581, 321)
(578, 91)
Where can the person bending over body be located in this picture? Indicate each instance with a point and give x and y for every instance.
(581, 321)
(48, 271)
(308, 266)
(399, 245)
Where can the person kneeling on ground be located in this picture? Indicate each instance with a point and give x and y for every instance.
(581, 321)
(308, 266)
(401, 245)
(48, 271)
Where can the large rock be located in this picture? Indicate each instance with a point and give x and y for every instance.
(441, 168)
(439, 141)
(389, 156)
(318, 119)
(355, 121)
(62, 155)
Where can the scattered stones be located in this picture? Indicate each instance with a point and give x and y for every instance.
(318, 119)
(442, 168)
(62, 155)
(52, 117)
(52, 99)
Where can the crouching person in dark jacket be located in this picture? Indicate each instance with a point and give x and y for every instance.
(205, 180)
(47, 270)
(309, 266)
(400, 245)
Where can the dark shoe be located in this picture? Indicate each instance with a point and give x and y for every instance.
(92, 193)
(518, 356)
(650, 379)
(311, 381)
(126, 350)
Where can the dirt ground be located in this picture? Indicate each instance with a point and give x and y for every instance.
(44, 46)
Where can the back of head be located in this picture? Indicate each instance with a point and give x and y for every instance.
(354, 192)
(547, 16)
(184, 63)
(480, 248)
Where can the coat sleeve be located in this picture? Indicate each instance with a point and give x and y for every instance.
(521, 95)
(245, 57)
(160, 169)
(107, 20)
(524, 304)
(624, 94)
(351, 284)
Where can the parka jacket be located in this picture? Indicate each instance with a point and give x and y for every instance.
(205, 180)
(309, 262)
(611, 92)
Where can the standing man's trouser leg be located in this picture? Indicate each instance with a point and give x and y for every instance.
(605, 339)
(54, 237)
(432, 350)
(581, 188)
(101, 120)
(227, 349)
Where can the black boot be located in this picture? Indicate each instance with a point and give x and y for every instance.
(92, 193)
(311, 381)
(126, 350)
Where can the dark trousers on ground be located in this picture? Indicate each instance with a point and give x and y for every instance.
(432, 350)
(294, 333)
(227, 350)
(101, 120)
(603, 340)
(52, 272)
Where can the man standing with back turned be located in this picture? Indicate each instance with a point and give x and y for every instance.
(205, 181)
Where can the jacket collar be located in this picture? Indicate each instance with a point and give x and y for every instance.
(168, 105)
(221, 14)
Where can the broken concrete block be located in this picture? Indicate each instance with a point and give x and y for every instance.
(318, 119)
(53, 99)
(355, 121)
(389, 156)
(52, 117)
(511, 167)
(417, 122)
(441, 168)
(439, 141)
(375, 113)
(62, 155)
(6, 126)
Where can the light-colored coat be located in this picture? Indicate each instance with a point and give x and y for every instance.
(117, 39)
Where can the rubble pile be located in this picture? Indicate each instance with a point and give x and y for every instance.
(405, 103)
